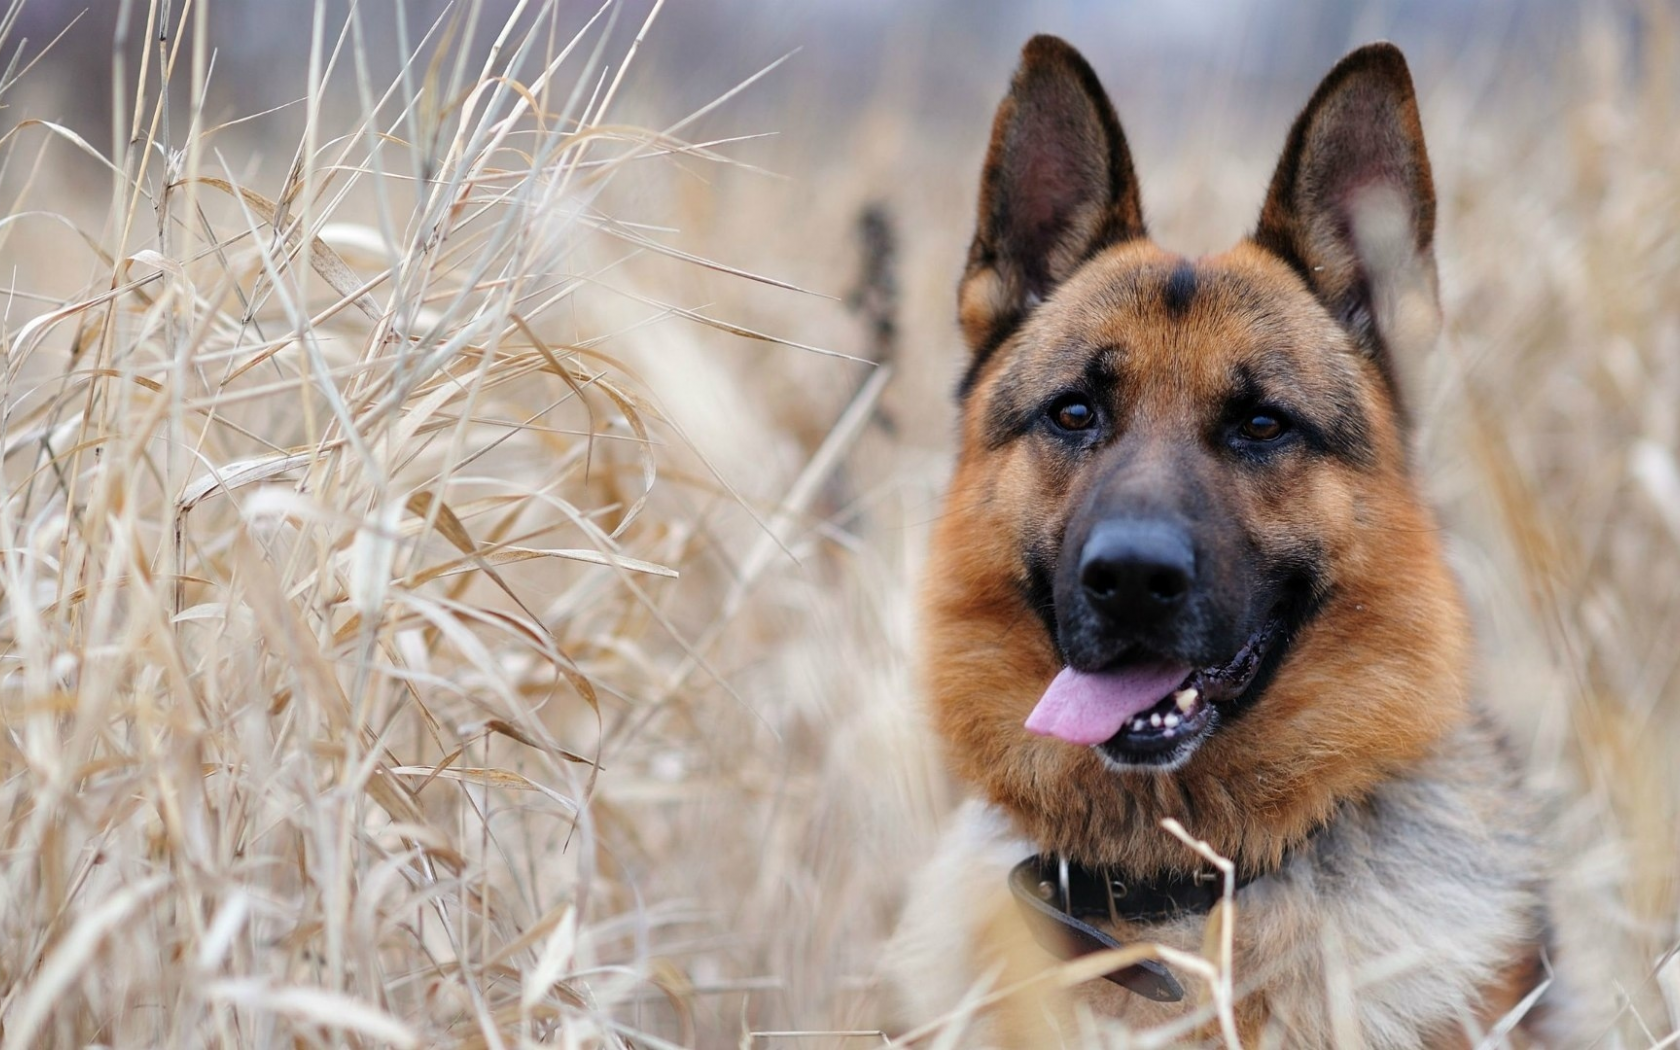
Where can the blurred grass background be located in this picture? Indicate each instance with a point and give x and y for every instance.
(347, 695)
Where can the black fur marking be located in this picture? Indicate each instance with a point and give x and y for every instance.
(1346, 435)
(1100, 377)
(1038, 589)
(1004, 327)
(1304, 597)
(1180, 290)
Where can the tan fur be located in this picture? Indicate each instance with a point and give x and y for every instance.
(1378, 806)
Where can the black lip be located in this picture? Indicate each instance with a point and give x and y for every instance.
(1231, 690)
(1152, 743)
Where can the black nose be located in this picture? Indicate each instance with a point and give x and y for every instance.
(1137, 570)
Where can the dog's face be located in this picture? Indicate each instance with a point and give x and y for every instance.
(1183, 570)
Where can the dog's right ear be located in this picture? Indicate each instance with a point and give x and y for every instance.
(1057, 186)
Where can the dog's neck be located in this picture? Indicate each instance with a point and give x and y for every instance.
(1067, 906)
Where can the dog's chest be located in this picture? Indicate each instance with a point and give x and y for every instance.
(1391, 921)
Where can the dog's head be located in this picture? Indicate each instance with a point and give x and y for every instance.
(1183, 568)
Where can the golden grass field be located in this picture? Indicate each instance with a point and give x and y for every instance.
(459, 553)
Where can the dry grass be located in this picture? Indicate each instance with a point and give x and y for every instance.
(425, 626)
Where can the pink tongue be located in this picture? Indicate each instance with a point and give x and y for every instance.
(1089, 708)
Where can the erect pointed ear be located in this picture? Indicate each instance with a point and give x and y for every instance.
(1058, 185)
(1352, 206)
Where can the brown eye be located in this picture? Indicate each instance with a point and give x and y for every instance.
(1074, 413)
(1263, 426)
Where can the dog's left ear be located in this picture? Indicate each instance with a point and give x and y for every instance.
(1352, 206)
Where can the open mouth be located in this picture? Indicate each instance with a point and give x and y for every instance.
(1150, 712)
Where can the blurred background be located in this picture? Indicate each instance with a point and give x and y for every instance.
(303, 742)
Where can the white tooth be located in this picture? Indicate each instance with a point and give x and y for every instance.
(1185, 699)
(1155, 720)
(1137, 723)
(1172, 720)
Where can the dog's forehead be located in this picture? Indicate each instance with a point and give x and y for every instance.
(1163, 319)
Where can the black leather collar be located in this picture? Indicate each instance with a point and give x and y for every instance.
(1057, 896)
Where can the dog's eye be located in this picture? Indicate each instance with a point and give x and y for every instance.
(1264, 426)
(1073, 413)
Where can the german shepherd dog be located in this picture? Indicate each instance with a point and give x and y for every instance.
(1184, 571)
